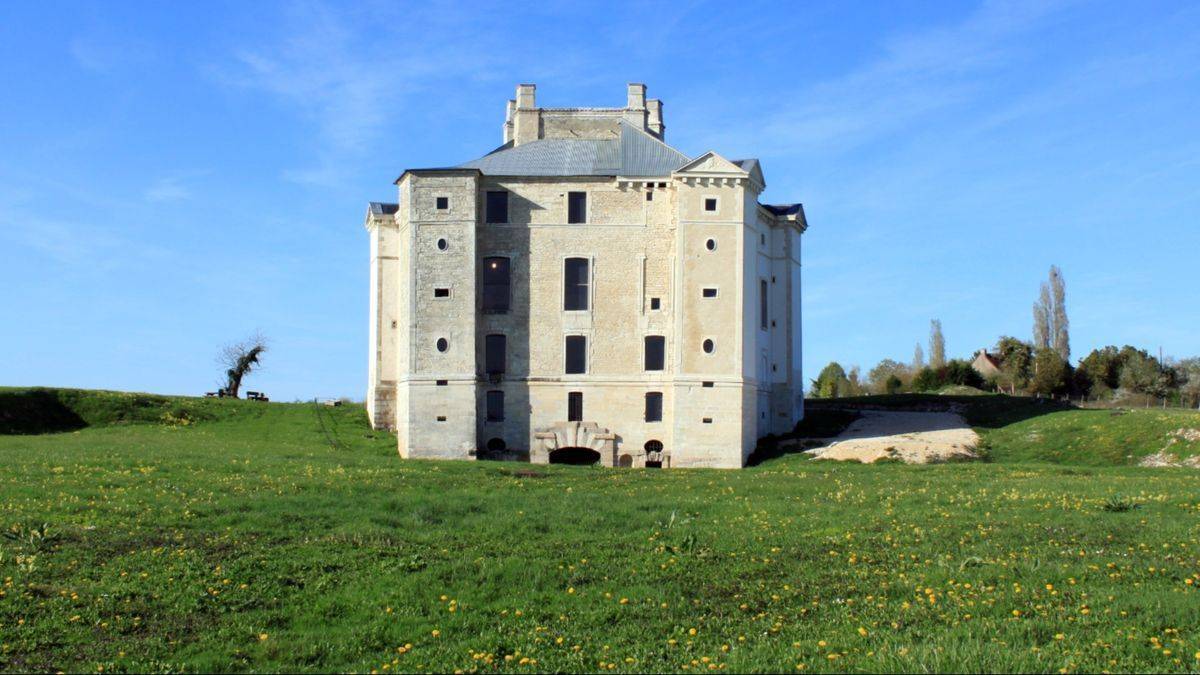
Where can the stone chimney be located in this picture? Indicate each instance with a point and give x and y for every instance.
(526, 120)
(508, 119)
(654, 120)
(637, 96)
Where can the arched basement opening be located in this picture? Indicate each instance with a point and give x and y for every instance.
(577, 456)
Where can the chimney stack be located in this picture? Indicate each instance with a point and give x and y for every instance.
(526, 116)
(637, 97)
(654, 120)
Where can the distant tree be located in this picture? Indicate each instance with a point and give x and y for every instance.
(854, 384)
(1189, 381)
(1016, 363)
(880, 377)
(1098, 374)
(832, 382)
(1143, 374)
(1050, 372)
(1060, 326)
(956, 371)
(1041, 319)
(918, 361)
(893, 385)
(239, 359)
(937, 345)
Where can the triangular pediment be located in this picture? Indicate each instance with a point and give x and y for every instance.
(710, 163)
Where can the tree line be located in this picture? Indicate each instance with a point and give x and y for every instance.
(1039, 367)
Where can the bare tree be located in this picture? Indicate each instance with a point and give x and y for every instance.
(238, 359)
(918, 361)
(1041, 319)
(1059, 325)
(937, 345)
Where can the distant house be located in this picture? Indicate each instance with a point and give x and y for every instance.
(986, 365)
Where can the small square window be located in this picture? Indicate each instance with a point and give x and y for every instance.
(710, 204)
(649, 196)
(441, 292)
(655, 304)
(709, 292)
(443, 203)
(662, 185)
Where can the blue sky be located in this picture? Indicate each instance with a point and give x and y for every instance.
(174, 176)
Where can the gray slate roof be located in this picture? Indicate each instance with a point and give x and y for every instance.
(635, 153)
(383, 208)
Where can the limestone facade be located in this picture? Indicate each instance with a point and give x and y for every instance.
(481, 316)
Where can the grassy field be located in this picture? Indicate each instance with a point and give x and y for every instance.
(194, 535)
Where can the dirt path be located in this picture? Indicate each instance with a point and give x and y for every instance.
(913, 437)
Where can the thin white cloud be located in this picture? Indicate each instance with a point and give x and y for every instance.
(168, 189)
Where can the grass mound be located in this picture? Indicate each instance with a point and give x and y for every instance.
(40, 410)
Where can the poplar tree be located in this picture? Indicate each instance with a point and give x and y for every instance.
(918, 361)
(937, 345)
(1059, 324)
(1041, 319)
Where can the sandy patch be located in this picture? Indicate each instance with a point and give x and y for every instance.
(1165, 457)
(912, 437)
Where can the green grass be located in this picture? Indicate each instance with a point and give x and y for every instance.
(265, 537)
(1020, 429)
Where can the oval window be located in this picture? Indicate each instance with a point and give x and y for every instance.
(711, 244)
(708, 346)
(442, 344)
(442, 244)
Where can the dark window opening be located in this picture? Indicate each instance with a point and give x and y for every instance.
(443, 383)
(649, 196)
(762, 239)
(576, 456)
(655, 304)
(709, 292)
(497, 445)
(711, 244)
(707, 420)
(706, 385)
(495, 406)
(762, 303)
(710, 204)
(575, 406)
(441, 418)
(654, 405)
(442, 244)
(441, 292)
(774, 367)
(656, 348)
(442, 344)
(575, 284)
(576, 357)
(654, 458)
(576, 207)
(497, 206)
(443, 203)
(709, 346)
(494, 354)
(662, 185)
(496, 282)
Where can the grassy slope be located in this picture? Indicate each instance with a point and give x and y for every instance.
(1018, 429)
(250, 543)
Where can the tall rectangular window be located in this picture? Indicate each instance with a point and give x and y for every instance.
(575, 284)
(495, 406)
(494, 347)
(495, 285)
(653, 406)
(497, 206)
(655, 352)
(575, 406)
(576, 362)
(762, 302)
(576, 207)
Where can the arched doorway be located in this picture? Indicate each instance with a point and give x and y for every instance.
(625, 461)
(574, 455)
(654, 454)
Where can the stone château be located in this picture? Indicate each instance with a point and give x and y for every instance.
(585, 293)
